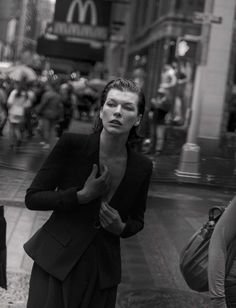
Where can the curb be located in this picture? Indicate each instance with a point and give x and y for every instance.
(180, 182)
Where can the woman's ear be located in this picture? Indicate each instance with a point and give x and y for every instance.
(138, 120)
(100, 113)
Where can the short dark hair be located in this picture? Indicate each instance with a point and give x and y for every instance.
(121, 84)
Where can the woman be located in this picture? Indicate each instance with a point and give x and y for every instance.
(18, 101)
(222, 255)
(97, 188)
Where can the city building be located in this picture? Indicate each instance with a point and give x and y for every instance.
(9, 18)
(155, 28)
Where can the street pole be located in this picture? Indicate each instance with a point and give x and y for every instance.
(21, 33)
(189, 163)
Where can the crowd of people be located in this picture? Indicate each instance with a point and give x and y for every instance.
(43, 108)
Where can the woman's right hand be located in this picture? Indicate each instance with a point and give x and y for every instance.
(95, 187)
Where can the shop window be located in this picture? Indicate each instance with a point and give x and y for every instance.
(155, 9)
(164, 7)
(189, 6)
(136, 16)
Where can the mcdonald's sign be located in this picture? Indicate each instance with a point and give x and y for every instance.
(87, 19)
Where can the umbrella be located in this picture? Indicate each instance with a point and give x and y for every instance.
(97, 84)
(79, 85)
(20, 71)
(3, 250)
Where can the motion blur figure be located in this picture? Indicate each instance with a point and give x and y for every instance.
(17, 103)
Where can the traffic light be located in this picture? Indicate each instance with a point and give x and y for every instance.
(188, 48)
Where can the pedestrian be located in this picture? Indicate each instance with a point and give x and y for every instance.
(96, 186)
(160, 106)
(222, 284)
(69, 102)
(50, 111)
(17, 103)
(3, 107)
(179, 106)
(169, 81)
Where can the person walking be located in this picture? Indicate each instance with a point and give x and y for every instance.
(3, 107)
(69, 103)
(50, 111)
(160, 106)
(96, 186)
(17, 103)
(222, 250)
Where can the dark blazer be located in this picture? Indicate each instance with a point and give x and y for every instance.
(59, 244)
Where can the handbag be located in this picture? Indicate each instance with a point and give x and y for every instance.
(194, 256)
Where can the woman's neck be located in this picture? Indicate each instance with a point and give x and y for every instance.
(112, 145)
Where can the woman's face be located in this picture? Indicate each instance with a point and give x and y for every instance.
(120, 112)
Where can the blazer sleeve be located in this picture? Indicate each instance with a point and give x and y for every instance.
(135, 222)
(43, 193)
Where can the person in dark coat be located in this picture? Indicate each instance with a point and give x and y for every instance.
(96, 186)
(160, 106)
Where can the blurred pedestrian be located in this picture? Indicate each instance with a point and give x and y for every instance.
(3, 107)
(17, 103)
(222, 285)
(96, 187)
(50, 111)
(160, 106)
(180, 105)
(169, 80)
(29, 112)
(69, 102)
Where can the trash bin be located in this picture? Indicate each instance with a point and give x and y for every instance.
(3, 250)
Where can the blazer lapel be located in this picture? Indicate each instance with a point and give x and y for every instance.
(129, 178)
(92, 148)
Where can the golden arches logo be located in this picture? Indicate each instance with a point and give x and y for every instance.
(82, 11)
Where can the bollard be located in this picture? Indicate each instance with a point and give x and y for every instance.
(3, 250)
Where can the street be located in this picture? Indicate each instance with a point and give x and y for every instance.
(151, 276)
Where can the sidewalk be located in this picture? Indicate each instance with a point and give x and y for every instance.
(215, 172)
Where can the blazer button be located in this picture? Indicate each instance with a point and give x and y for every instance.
(96, 225)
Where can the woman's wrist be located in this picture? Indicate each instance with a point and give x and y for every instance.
(82, 196)
(122, 227)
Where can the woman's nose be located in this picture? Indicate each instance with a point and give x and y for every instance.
(118, 110)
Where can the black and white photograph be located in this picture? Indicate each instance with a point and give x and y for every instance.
(117, 154)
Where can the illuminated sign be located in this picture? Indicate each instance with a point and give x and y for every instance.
(82, 11)
(87, 19)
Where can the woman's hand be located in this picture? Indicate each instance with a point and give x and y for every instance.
(95, 187)
(110, 219)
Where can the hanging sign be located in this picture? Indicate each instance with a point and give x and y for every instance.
(87, 19)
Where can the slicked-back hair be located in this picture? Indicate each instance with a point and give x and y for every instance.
(123, 85)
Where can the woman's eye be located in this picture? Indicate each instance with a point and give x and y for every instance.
(129, 108)
(111, 104)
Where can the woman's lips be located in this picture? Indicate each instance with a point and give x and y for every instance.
(116, 122)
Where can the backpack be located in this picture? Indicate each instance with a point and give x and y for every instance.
(193, 260)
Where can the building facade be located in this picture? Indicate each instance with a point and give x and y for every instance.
(9, 18)
(155, 27)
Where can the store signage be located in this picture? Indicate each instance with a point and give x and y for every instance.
(87, 19)
(206, 18)
(82, 11)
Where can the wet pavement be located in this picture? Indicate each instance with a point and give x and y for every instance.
(151, 276)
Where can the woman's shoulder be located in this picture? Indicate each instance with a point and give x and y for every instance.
(74, 137)
(141, 160)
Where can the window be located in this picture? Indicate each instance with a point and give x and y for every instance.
(189, 6)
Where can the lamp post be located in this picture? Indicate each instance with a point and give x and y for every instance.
(21, 31)
(189, 163)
